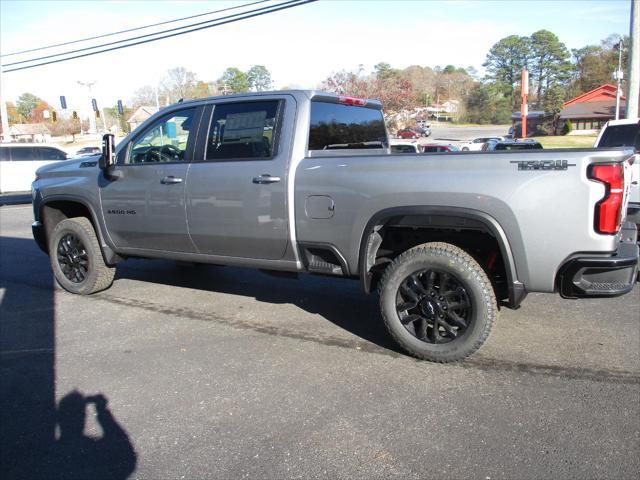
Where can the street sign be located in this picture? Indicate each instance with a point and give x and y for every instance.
(120, 108)
(63, 102)
(94, 104)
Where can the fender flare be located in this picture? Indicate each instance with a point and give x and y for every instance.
(109, 254)
(368, 240)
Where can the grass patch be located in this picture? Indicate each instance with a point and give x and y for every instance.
(567, 141)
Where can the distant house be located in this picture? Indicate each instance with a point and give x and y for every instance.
(139, 116)
(590, 111)
(29, 132)
(535, 119)
(446, 110)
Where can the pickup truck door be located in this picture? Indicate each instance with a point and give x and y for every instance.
(143, 199)
(237, 183)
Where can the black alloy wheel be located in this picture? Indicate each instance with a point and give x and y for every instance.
(73, 258)
(434, 306)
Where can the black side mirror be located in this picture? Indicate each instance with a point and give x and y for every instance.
(108, 158)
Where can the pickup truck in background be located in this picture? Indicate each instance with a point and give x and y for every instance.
(625, 133)
(304, 181)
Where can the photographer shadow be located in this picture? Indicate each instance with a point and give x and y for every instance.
(75, 455)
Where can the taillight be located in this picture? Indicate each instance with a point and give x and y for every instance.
(345, 100)
(609, 209)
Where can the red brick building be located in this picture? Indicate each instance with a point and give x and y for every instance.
(591, 110)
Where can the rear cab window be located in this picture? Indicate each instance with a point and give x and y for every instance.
(336, 126)
(621, 136)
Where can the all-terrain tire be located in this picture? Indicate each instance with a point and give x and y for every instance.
(460, 269)
(74, 241)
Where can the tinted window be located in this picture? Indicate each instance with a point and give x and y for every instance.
(243, 130)
(333, 124)
(165, 140)
(621, 136)
(518, 146)
(403, 149)
(432, 149)
(4, 155)
(24, 154)
(52, 154)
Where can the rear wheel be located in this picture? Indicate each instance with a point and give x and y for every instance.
(437, 302)
(76, 257)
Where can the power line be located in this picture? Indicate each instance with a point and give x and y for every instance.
(286, 6)
(46, 57)
(132, 29)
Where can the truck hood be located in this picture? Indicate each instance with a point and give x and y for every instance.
(88, 161)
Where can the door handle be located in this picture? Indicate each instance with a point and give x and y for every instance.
(265, 178)
(170, 180)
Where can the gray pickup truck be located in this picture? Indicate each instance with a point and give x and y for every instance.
(304, 181)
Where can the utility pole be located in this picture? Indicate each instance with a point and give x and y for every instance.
(633, 77)
(524, 108)
(92, 115)
(618, 76)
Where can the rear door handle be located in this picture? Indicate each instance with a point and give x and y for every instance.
(170, 180)
(265, 178)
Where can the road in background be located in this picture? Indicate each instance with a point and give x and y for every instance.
(216, 372)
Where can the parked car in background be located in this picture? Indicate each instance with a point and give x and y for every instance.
(404, 147)
(475, 145)
(625, 133)
(19, 162)
(425, 130)
(408, 133)
(527, 144)
(84, 151)
(438, 148)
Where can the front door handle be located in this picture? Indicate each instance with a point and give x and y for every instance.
(265, 178)
(170, 180)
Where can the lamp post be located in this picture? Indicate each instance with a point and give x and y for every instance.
(92, 116)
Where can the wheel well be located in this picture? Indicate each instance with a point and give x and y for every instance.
(397, 235)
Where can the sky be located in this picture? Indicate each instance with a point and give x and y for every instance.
(300, 46)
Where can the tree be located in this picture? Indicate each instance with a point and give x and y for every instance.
(234, 80)
(37, 113)
(201, 90)
(64, 127)
(549, 63)
(178, 83)
(144, 96)
(505, 61)
(259, 78)
(26, 103)
(593, 65)
(383, 71)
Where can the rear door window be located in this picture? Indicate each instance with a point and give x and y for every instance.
(337, 126)
(243, 130)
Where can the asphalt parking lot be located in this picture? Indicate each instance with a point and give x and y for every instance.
(213, 372)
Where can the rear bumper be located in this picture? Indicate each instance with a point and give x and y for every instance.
(39, 235)
(587, 276)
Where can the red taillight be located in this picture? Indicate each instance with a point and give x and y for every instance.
(609, 209)
(345, 100)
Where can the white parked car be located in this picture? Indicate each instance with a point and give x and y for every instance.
(19, 162)
(475, 145)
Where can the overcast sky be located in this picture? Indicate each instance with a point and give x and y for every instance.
(300, 46)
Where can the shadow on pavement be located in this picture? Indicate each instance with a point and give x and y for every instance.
(340, 301)
(29, 416)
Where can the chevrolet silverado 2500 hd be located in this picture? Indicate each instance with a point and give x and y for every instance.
(303, 181)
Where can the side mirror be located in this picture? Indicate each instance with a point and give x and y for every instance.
(108, 158)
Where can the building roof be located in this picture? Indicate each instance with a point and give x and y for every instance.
(602, 93)
(142, 113)
(29, 129)
(600, 110)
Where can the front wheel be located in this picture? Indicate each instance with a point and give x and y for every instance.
(76, 257)
(437, 302)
